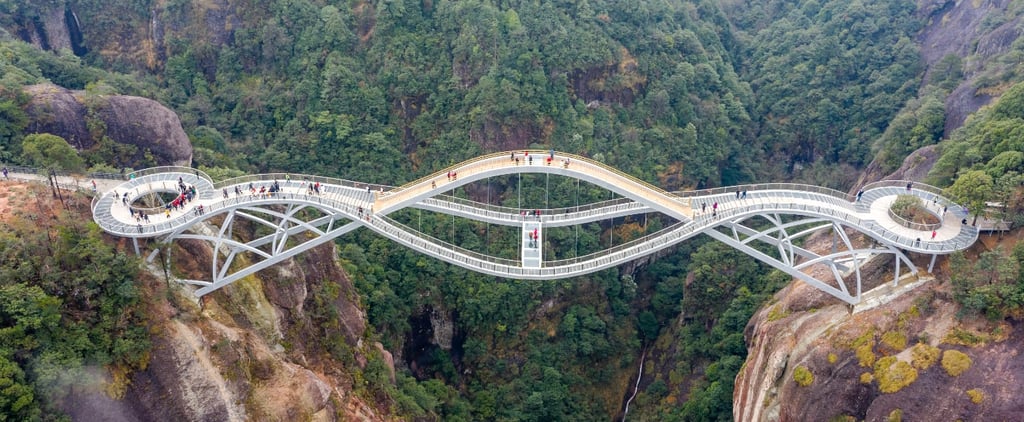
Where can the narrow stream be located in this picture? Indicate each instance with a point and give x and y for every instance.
(636, 387)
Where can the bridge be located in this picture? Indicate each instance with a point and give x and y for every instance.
(300, 212)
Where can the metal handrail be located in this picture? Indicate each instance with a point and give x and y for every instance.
(786, 198)
(912, 225)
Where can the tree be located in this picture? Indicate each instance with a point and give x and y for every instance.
(16, 398)
(52, 152)
(972, 189)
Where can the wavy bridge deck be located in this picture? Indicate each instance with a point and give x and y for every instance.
(723, 213)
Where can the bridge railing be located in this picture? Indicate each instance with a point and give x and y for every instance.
(912, 225)
(544, 211)
(611, 169)
(450, 168)
(428, 242)
(44, 172)
(965, 237)
(298, 178)
(766, 186)
(681, 228)
(147, 177)
(937, 197)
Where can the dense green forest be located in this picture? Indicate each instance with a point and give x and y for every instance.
(682, 94)
(70, 308)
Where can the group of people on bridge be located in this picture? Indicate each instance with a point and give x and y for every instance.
(529, 159)
(534, 236)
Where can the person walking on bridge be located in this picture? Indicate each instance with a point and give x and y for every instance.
(5, 173)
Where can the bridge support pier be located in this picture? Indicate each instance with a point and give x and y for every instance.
(135, 242)
(932, 264)
(896, 277)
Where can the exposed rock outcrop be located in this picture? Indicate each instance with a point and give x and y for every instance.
(255, 350)
(963, 29)
(915, 167)
(141, 122)
(843, 352)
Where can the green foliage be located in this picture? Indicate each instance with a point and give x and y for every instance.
(52, 152)
(777, 312)
(955, 362)
(895, 340)
(977, 396)
(973, 188)
(892, 374)
(67, 299)
(991, 285)
(662, 90)
(923, 356)
(803, 376)
(921, 122)
(824, 90)
(909, 207)
(17, 402)
(866, 354)
(989, 142)
(12, 121)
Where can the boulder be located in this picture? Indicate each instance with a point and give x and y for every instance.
(141, 122)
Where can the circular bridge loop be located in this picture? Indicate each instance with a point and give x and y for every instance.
(324, 208)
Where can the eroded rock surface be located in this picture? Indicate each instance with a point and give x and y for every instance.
(805, 329)
(141, 122)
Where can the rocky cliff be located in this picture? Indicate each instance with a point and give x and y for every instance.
(976, 32)
(260, 349)
(145, 126)
(815, 358)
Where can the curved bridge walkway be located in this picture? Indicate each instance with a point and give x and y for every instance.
(298, 218)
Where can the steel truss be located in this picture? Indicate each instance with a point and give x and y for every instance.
(289, 235)
(294, 220)
(793, 260)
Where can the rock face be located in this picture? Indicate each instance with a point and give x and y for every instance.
(842, 351)
(963, 29)
(915, 167)
(141, 122)
(255, 350)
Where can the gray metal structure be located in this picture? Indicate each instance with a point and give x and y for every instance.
(310, 210)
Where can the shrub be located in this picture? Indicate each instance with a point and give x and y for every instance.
(977, 396)
(895, 340)
(910, 208)
(803, 376)
(962, 337)
(866, 378)
(893, 374)
(866, 354)
(904, 206)
(924, 356)
(777, 313)
(896, 415)
(955, 362)
(832, 358)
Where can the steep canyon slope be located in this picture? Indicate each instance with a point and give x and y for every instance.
(814, 359)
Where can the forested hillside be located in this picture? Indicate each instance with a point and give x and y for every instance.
(682, 94)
